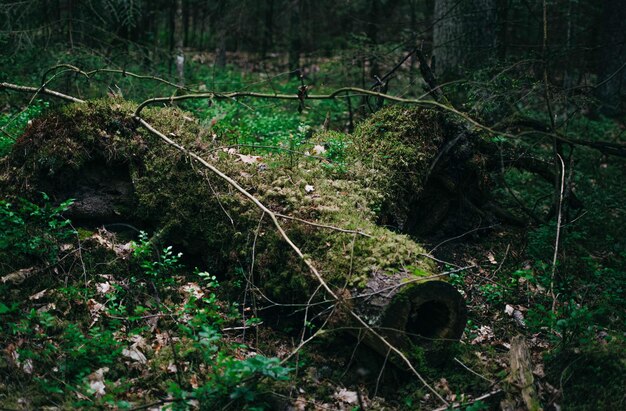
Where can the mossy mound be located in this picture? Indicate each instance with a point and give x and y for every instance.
(118, 172)
(393, 151)
(425, 165)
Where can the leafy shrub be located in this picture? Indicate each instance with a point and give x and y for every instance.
(31, 233)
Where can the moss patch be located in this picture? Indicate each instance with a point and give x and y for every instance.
(65, 154)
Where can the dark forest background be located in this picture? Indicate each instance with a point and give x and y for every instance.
(579, 43)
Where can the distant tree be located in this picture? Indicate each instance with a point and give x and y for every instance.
(178, 40)
(612, 56)
(295, 43)
(464, 34)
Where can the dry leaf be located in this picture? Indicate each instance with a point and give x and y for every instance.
(485, 333)
(38, 295)
(134, 354)
(509, 310)
(27, 366)
(96, 381)
(192, 289)
(319, 149)
(103, 288)
(249, 159)
(346, 396)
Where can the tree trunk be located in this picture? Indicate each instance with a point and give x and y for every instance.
(268, 29)
(611, 70)
(294, 38)
(372, 35)
(178, 40)
(464, 35)
(220, 24)
(521, 382)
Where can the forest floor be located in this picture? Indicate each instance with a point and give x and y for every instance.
(110, 320)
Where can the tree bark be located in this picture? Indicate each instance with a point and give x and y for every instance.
(464, 34)
(179, 42)
(295, 43)
(521, 381)
(611, 70)
(268, 29)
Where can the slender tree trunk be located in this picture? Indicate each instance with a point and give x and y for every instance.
(464, 34)
(70, 27)
(179, 39)
(186, 21)
(220, 49)
(268, 32)
(612, 56)
(294, 37)
(503, 24)
(413, 61)
(372, 35)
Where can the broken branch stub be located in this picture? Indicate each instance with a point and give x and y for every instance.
(118, 172)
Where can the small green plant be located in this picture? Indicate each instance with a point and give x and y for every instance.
(12, 125)
(157, 265)
(32, 233)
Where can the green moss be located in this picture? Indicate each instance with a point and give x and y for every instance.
(196, 210)
(393, 151)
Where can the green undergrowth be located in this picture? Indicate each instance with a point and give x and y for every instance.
(117, 325)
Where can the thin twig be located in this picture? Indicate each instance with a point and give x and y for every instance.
(53, 93)
(492, 382)
(330, 227)
(558, 232)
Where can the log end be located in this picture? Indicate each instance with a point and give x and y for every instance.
(423, 313)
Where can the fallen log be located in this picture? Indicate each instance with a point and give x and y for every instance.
(119, 173)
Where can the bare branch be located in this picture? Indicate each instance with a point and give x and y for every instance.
(53, 93)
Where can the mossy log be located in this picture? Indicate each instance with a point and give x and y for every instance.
(118, 172)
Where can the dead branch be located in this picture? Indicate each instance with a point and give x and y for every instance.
(615, 149)
(27, 89)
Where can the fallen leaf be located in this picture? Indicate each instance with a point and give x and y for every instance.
(134, 354)
(94, 308)
(484, 333)
(346, 396)
(96, 381)
(18, 276)
(319, 149)
(38, 295)
(192, 289)
(509, 310)
(519, 318)
(249, 159)
(103, 288)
